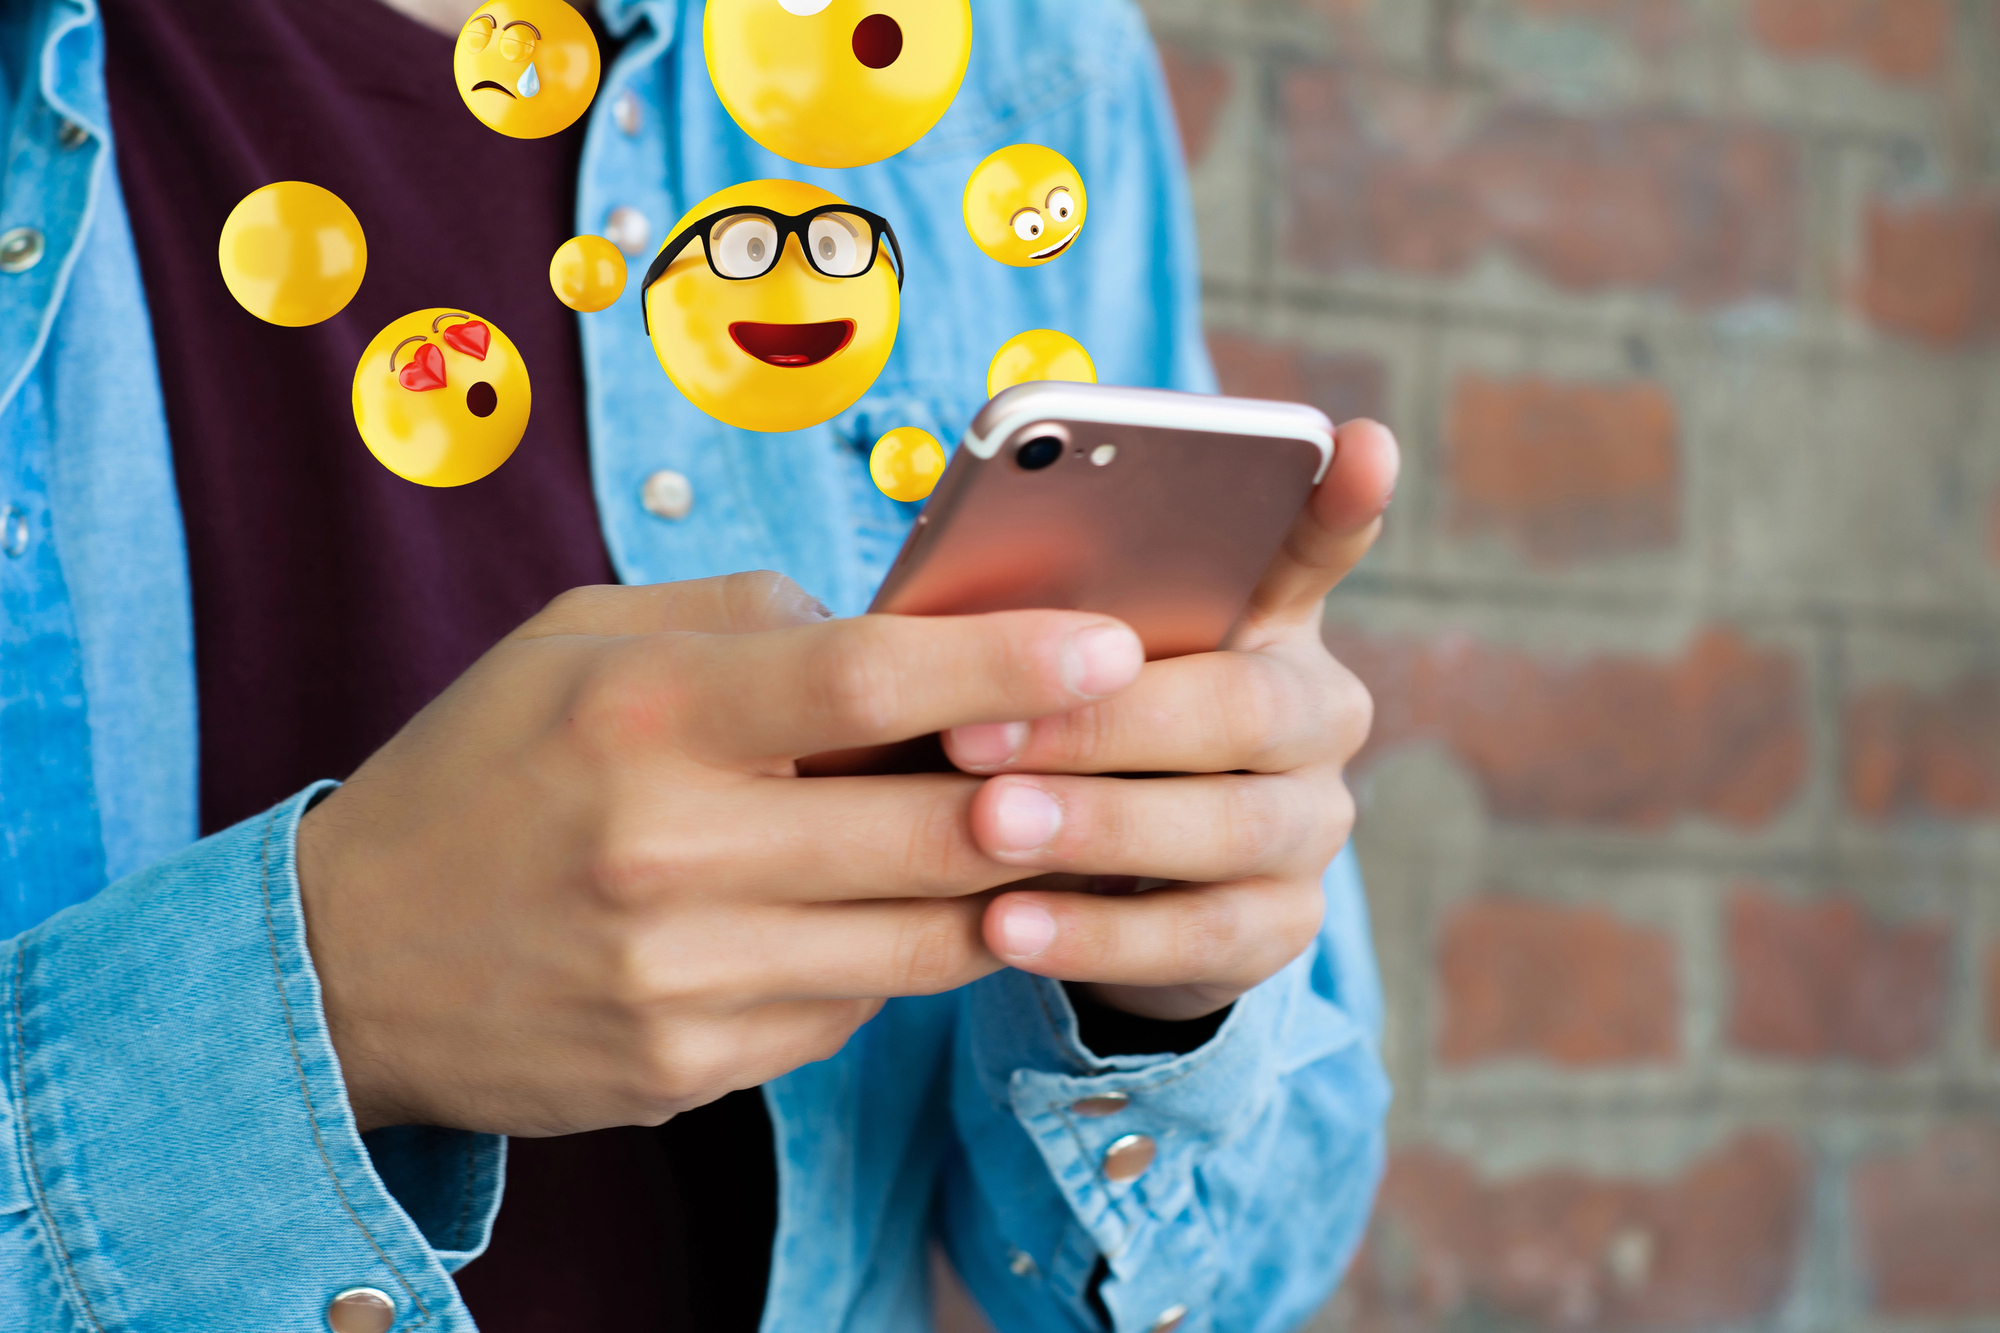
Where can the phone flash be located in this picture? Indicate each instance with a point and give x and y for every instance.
(1103, 454)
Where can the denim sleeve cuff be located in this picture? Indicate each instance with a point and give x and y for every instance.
(185, 1132)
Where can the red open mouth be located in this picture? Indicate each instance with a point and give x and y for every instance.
(793, 344)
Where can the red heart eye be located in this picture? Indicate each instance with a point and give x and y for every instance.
(425, 371)
(472, 339)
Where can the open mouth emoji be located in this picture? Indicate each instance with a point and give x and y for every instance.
(774, 305)
(441, 397)
(793, 344)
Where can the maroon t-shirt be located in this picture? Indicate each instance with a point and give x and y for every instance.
(332, 599)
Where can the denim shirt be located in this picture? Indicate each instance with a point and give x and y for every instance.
(176, 1148)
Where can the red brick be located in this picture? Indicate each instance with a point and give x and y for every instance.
(1199, 85)
(1933, 269)
(1910, 752)
(1706, 210)
(1899, 40)
(1574, 985)
(1567, 471)
(1929, 1224)
(1343, 387)
(1822, 979)
(1993, 996)
(1613, 740)
(1718, 1244)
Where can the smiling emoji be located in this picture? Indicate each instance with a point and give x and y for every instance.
(527, 68)
(773, 305)
(1025, 205)
(441, 397)
(837, 83)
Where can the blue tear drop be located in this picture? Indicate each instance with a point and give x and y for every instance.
(531, 82)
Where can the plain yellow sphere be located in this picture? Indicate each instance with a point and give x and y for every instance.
(906, 463)
(785, 351)
(1024, 205)
(1039, 354)
(837, 83)
(441, 397)
(587, 273)
(292, 253)
(527, 68)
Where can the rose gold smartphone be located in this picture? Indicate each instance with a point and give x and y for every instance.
(1162, 509)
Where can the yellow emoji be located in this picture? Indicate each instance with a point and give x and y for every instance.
(527, 68)
(292, 253)
(441, 397)
(1024, 205)
(837, 83)
(1039, 354)
(587, 273)
(773, 305)
(906, 463)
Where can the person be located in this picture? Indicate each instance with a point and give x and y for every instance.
(586, 875)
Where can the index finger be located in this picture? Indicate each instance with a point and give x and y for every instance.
(880, 679)
(1331, 534)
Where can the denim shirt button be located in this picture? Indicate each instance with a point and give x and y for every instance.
(70, 134)
(20, 249)
(1170, 1319)
(667, 494)
(1103, 1104)
(625, 111)
(15, 534)
(1128, 1158)
(628, 229)
(360, 1310)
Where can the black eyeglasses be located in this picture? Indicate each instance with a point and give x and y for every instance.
(839, 241)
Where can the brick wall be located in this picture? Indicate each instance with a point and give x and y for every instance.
(1682, 817)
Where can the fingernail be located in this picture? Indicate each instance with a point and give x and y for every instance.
(988, 744)
(1026, 929)
(1024, 818)
(1101, 660)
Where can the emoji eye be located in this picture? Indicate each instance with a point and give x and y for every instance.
(839, 244)
(745, 246)
(1028, 225)
(518, 42)
(477, 33)
(804, 8)
(1061, 206)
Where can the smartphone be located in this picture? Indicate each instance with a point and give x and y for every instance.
(1162, 509)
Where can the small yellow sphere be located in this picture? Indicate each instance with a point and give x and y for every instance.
(1039, 354)
(587, 273)
(292, 253)
(906, 463)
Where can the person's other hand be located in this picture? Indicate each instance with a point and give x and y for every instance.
(584, 887)
(1267, 725)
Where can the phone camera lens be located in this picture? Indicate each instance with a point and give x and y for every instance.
(1038, 453)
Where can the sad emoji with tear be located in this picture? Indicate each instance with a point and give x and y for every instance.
(773, 305)
(527, 68)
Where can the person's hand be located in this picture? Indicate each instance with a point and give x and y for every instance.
(584, 887)
(1268, 725)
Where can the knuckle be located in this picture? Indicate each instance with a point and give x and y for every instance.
(854, 680)
(614, 706)
(1298, 923)
(937, 853)
(931, 949)
(1208, 933)
(1258, 706)
(1353, 710)
(1257, 822)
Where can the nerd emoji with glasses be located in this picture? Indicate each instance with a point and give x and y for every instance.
(773, 305)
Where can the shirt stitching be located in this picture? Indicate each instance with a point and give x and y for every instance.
(28, 1141)
(305, 1089)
